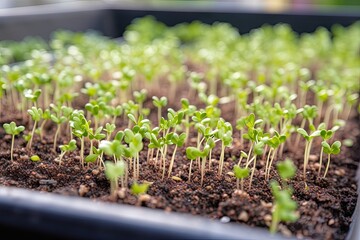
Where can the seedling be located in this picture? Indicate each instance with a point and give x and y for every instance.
(35, 158)
(114, 171)
(325, 135)
(36, 114)
(333, 149)
(139, 188)
(80, 128)
(179, 141)
(309, 139)
(71, 146)
(13, 130)
(284, 207)
(159, 103)
(240, 173)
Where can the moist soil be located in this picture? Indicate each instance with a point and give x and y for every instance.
(325, 207)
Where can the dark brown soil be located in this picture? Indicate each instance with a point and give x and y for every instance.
(325, 208)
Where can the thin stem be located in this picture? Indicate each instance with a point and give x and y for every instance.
(321, 156)
(327, 166)
(32, 135)
(190, 170)
(12, 146)
(172, 161)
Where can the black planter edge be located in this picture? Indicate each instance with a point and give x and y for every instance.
(67, 217)
(38, 212)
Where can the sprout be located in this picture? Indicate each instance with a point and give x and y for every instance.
(71, 146)
(114, 171)
(36, 114)
(159, 103)
(179, 141)
(12, 129)
(333, 149)
(139, 189)
(35, 158)
(309, 140)
(284, 207)
(240, 173)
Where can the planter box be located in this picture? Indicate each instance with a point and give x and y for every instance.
(24, 212)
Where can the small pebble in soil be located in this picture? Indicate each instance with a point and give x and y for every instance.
(24, 157)
(267, 218)
(265, 204)
(331, 222)
(121, 193)
(176, 178)
(340, 172)
(144, 198)
(225, 219)
(313, 157)
(83, 190)
(230, 174)
(243, 216)
(95, 172)
(48, 182)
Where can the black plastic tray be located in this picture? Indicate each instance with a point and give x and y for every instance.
(25, 213)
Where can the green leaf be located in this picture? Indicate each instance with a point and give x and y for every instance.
(138, 189)
(286, 169)
(91, 158)
(114, 170)
(35, 158)
(241, 172)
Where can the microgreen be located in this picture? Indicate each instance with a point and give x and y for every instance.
(179, 141)
(13, 130)
(80, 128)
(159, 103)
(114, 171)
(325, 135)
(309, 139)
(36, 114)
(333, 149)
(71, 146)
(139, 188)
(240, 173)
(284, 207)
(35, 158)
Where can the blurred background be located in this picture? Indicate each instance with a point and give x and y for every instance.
(268, 5)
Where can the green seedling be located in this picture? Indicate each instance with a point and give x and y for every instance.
(308, 113)
(35, 158)
(71, 146)
(325, 135)
(139, 189)
(192, 153)
(333, 149)
(224, 133)
(36, 114)
(309, 139)
(80, 128)
(13, 130)
(159, 103)
(140, 97)
(114, 171)
(284, 207)
(33, 96)
(58, 120)
(240, 173)
(179, 141)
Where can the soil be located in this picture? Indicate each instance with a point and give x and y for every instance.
(325, 208)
